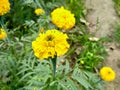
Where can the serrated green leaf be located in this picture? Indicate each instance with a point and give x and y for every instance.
(72, 85)
(67, 67)
(80, 77)
(26, 75)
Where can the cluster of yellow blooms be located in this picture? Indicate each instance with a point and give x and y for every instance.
(49, 44)
(107, 74)
(63, 18)
(54, 42)
(4, 7)
(39, 11)
(2, 34)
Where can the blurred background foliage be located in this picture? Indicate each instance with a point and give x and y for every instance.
(22, 16)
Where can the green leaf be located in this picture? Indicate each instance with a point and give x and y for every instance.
(72, 85)
(81, 78)
(26, 75)
(67, 67)
(24, 2)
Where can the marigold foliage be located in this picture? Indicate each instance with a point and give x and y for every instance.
(2, 34)
(4, 7)
(107, 74)
(63, 18)
(39, 11)
(49, 44)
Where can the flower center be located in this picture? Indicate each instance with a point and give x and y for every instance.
(109, 72)
(49, 37)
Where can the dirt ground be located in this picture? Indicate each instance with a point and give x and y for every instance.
(102, 13)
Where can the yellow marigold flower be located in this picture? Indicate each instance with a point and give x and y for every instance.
(39, 11)
(107, 74)
(49, 44)
(2, 34)
(4, 7)
(63, 18)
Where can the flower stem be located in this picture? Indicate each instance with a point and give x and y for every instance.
(1, 22)
(54, 65)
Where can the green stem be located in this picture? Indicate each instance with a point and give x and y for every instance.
(1, 22)
(54, 60)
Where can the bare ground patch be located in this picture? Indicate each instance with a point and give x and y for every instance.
(102, 12)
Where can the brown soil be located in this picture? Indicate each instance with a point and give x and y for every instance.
(103, 13)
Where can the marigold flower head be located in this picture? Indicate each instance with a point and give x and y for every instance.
(2, 34)
(63, 18)
(107, 74)
(49, 44)
(4, 7)
(39, 11)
